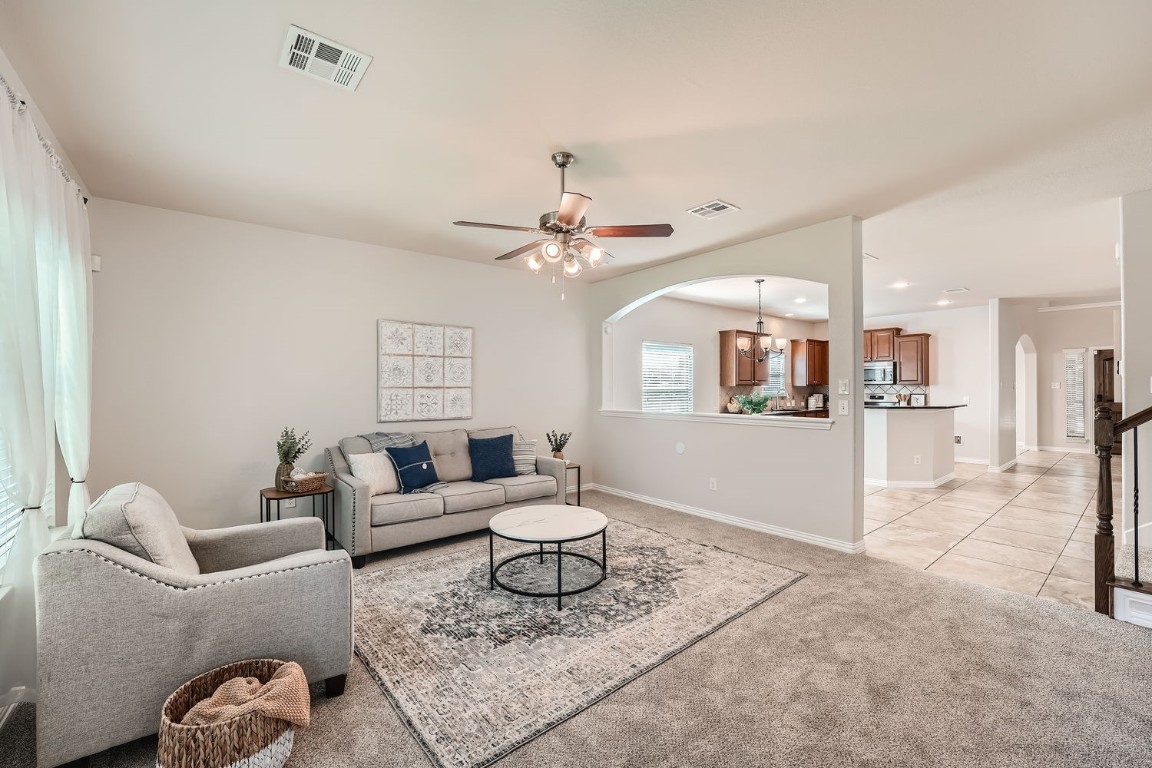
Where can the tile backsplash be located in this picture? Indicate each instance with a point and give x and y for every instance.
(894, 389)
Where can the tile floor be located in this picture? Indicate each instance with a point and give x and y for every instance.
(1028, 529)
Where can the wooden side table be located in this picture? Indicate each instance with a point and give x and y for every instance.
(328, 507)
(567, 466)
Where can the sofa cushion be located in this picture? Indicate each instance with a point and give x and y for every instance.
(491, 457)
(524, 456)
(377, 470)
(392, 508)
(351, 445)
(483, 434)
(414, 467)
(465, 495)
(449, 452)
(136, 519)
(524, 487)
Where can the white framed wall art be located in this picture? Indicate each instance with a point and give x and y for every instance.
(424, 371)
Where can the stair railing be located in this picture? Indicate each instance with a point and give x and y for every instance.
(1106, 433)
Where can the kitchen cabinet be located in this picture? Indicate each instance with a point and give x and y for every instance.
(809, 362)
(735, 368)
(880, 344)
(912, 359)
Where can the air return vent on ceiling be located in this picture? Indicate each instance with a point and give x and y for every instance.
(323, 59)
(713, 209)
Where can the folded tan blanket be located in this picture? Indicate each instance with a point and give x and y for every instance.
(284, 696)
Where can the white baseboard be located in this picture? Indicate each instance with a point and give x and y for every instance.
(968, 460)
(1065, 449)
(1002, 467)
(912, 483)
(787, 533)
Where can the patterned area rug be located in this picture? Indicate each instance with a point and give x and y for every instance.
(476, 673)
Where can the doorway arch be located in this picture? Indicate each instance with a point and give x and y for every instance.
(1027, 395)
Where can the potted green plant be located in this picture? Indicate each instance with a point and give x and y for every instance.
(289, 448)
(753, 404)
(557, 443)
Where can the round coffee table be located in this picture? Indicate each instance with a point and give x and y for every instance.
(542, 524)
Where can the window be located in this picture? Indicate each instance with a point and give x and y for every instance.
(776, 383)
(666, 378)
(1074, 393)
(9, 512)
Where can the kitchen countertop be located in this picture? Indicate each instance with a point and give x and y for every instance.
(895, 407)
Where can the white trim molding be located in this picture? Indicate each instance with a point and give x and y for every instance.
(1065, 448)
(912, 483)
(787, 533)
(777, 422)
(1003, 467)
(1073, 307)
(967, 460)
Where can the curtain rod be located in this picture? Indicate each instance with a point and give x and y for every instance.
(13, 98)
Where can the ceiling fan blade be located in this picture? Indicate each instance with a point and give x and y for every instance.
(522, 249)
(573, 205)
(632, 230)
(495, 226)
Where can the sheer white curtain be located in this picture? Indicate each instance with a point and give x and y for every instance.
(39, 209)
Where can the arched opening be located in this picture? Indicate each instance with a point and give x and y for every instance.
(1026, 395)
(681, 326)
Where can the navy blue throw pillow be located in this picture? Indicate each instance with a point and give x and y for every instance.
(491, 457)
(414, 467)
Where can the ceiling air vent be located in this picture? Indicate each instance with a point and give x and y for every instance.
(955, 290)
(713, 209)
(323, 59)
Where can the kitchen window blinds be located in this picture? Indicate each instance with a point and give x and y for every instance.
(775, 385)
(1074, 393)
(666, 377)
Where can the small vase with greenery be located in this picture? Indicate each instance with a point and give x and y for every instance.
(557, 443)
(753, 403)
(289, 448)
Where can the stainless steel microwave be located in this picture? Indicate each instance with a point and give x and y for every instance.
(880, 373)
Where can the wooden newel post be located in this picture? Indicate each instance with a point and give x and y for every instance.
(1105, 437)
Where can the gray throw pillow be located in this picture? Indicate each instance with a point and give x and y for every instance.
(136, 519)
(524, 456)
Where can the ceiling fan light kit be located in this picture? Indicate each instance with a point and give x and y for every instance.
(566, 232)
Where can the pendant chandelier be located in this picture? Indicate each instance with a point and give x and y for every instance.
(766, 346)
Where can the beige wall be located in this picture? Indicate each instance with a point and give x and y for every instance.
(958, 366)
(802, 482)
(685, 322)
(212, 335)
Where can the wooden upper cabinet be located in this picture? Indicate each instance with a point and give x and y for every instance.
(735, 368)
(880, 344)
(809, 362)
(912, 359)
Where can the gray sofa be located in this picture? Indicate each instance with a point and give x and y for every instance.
(118, 633)
(365, 524)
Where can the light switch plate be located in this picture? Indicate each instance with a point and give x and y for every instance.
(842, 406)
(845, 387)
(1055, 385)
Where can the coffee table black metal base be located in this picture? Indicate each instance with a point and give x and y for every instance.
(560, 593)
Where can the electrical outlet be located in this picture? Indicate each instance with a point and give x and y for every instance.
(958, 439)
(842, 406)
(290, 503)
(711, 483)
(916, 459)
(1055, 385)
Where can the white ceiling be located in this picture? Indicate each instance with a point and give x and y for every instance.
(780, 295)
(984, 142)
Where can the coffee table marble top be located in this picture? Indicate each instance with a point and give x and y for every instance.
(548, 522)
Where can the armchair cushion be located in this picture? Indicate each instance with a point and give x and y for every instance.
(135, 518)
(225, 549)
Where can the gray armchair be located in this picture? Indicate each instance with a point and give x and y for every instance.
(118, 633)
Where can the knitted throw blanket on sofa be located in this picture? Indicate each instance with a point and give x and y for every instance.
(283, 697)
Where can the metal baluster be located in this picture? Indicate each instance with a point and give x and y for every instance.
(1135, 509)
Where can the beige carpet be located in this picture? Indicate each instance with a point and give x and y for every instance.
(862, 663)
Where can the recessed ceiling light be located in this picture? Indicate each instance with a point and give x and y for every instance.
(900, 284)
(943, 303)
(801, 300)
(789, 314)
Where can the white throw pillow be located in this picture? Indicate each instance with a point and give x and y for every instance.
(377, 470)
(524, 456)
(137, 519)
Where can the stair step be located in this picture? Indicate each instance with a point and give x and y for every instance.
(1144, 588)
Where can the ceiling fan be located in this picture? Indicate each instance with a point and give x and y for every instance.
(567, 232)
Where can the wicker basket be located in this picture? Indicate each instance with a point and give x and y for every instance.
(253, 740)
(307, 483)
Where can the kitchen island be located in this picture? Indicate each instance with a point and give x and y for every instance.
(907, 446)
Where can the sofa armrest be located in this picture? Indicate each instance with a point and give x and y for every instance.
(353, 517)
(222, 549)
(133, 631)
(546, 465)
